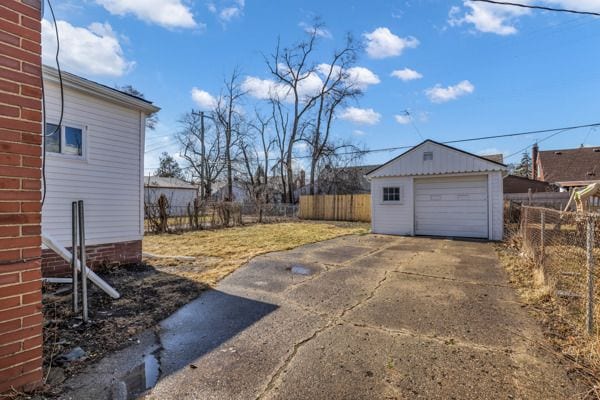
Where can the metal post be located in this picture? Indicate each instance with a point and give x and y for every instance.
(82, 261)
(590, 275)
(542, 234)
(74, 226)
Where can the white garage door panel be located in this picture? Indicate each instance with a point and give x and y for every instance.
(453, 206)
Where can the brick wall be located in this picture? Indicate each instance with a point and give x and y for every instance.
(104, 254)
(20, 183)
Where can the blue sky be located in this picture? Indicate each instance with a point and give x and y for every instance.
(476, 69)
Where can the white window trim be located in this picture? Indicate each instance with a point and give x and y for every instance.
(392, 202)
(84, 139)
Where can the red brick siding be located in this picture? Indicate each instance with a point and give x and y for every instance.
(103, 254)
(20, 177)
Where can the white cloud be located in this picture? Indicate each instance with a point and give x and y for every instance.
(439, 94)
(358, 132)
(94, 50)
(319, 32)
(264, 89)
(406, 74)
(203, 99)
(359, 77)
(267, 88)
(382, 43)
(488, 18)
(166, 13)
(234, 9)
(366, 116)
(402, 119)
(578, 5)
(501, 20)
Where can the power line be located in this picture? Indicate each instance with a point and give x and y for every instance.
(566, 10)
(555, 131)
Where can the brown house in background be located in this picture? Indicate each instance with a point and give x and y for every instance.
(520, 184)
(568, 167)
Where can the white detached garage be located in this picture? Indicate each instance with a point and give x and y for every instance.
(437, 190)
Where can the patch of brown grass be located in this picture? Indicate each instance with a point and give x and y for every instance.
(560, 326)
(220, 252)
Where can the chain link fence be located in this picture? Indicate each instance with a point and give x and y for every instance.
(162, 217)
(564, 246)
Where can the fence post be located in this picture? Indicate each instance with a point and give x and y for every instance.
(590, 275)
(525, 221)
(542, 234)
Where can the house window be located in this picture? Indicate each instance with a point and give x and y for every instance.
(391, 194)
(428, 156)
(52, 138)
(64, 140)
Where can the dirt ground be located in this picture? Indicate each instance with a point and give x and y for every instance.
(158, 287)
(148, 296)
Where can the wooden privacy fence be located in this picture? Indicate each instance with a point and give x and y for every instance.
(348, 207)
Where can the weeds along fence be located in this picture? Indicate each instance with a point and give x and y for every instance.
(565, 247)
(162, 218)
(350, 207)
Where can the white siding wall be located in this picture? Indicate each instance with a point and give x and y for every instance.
(396, 219)
(445, 161)
(109, 179)
(178, 197)
(497, 205)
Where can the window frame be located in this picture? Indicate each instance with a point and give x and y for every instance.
(385, 192)
(62, 141)
(428, 156)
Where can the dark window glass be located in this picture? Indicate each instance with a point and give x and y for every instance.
(52, 138)
(391, 194)
(73, 141)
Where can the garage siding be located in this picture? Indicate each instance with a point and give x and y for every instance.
(396, 218)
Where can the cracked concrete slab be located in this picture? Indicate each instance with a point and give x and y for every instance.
(370, 317)
(433, 306)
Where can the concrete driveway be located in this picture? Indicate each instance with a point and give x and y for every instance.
(357, 317)
(361, 317)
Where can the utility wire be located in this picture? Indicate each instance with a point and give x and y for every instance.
(62, 104)
(555, 131)
(566, 10)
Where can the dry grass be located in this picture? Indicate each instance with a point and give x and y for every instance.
(220, 252)
(561, 322)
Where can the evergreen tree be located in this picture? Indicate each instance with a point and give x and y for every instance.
(168, 167)
(524, 167)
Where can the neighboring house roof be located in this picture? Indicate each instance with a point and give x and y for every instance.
(570, 165)
(169, 183)
(520, 184)
(96, 89)
(448, 160)
(499, 158)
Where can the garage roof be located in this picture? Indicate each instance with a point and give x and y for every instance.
(433, 158)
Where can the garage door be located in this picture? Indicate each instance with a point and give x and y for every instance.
(452, 206)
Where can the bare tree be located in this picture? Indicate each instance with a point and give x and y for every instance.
(291, 68)
(337, 172)
(280, 118)
(336, 89)
(260, 126)
(203, 150)
(228, 116)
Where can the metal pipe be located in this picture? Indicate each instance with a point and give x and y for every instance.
(82, 261)
(74, 226)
